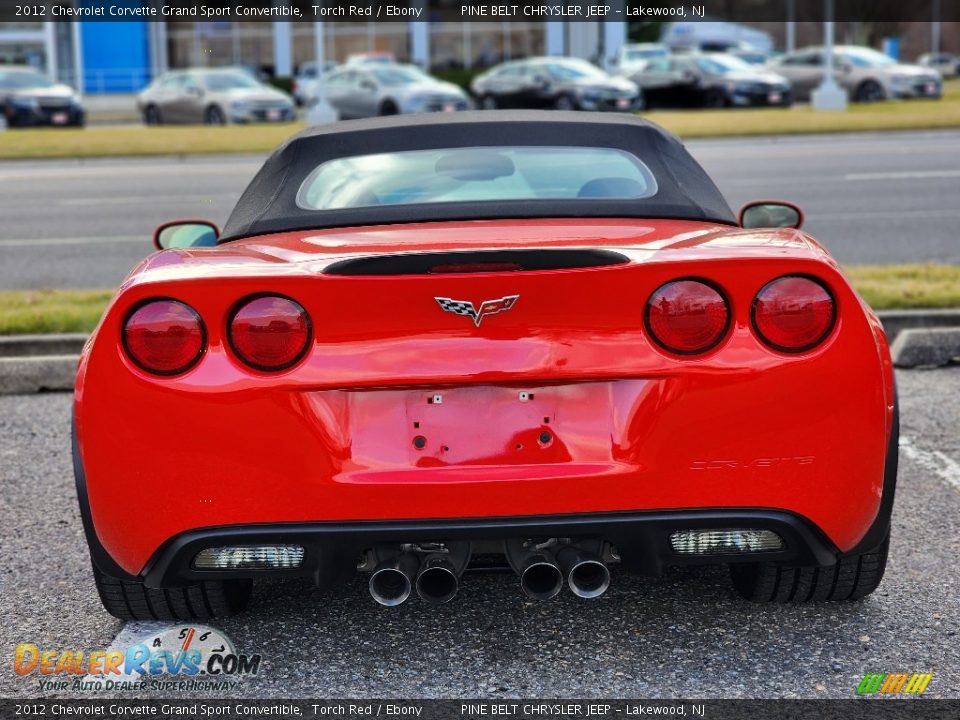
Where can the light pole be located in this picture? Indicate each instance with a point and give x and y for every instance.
(829, 95)
(935, 29)
(791, 39)
(320, 111)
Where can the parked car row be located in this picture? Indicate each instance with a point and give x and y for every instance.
(645, 75)
(741, 77)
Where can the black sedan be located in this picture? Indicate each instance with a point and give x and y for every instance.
(552, 82)
(714, 81)
(29, 98)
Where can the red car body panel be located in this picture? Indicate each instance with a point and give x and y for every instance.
(631, 427)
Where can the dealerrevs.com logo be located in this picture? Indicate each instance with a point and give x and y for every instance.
(894, 683)
(175, 658)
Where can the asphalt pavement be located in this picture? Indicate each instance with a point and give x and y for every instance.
(871, 198)
(682, 635)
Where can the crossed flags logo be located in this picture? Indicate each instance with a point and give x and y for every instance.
(487, 307)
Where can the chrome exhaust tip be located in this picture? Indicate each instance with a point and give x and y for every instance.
(437, 582)
(541, 579)
(392, 581)
(587, 575)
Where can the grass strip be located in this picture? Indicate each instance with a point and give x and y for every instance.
(137, 140)
(884, 287)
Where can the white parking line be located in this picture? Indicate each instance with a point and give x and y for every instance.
(937, 462)
(904, 175)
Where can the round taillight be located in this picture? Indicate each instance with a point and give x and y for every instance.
(164, 337)
(270, 332)
(687, 316)
(793, 313)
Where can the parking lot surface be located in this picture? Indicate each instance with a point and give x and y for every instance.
(682, 635)
(873, 198)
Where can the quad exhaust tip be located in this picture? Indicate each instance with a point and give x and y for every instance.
(589, 579)
(392, 581)
(587, 575)
(437, 582)
(541, 580)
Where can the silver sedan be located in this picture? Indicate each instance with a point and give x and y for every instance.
(370, 90)
(212, 96)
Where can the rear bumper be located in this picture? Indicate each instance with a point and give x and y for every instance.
(38, 117)
(642, 541)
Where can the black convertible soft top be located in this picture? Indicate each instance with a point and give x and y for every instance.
(268, 205)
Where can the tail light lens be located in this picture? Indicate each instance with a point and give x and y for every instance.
(270, 332)
(687, 316)
(164, 337)
(793, 313)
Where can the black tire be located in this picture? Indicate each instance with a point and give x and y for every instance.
(151, 116)
(488, 102)
(852, 578)
(131, 600)
(869, 91)
(565, 102)
(389, 108)
(214, 116)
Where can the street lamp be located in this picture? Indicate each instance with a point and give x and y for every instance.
(829, 95)
(320, 111)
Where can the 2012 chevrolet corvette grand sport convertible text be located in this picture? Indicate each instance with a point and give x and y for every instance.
(536, 341)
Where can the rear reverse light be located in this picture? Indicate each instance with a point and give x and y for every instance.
(712, 542)
(249, 557)
(164, 337)
(270, 332)
(793, 313)
(687, 316)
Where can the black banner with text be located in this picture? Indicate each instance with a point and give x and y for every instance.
(436, 11)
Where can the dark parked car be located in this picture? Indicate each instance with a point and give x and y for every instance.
(715, 81)
(29, 98)
(551, 82)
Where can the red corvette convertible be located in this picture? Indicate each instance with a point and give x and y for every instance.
(535, 341)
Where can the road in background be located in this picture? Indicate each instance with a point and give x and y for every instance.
(681, 635)
(880, 198)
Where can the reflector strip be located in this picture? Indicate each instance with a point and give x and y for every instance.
(250, 557)
(713, 542)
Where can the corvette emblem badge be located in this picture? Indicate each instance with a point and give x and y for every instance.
(487, 307)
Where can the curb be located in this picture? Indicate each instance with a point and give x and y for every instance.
(926, 347)
(35, 363)
(32, 345)
(20, 375)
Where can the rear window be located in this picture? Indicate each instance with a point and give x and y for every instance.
(476, 174)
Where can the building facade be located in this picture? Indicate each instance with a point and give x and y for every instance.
(118, 57)
(123, 57)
